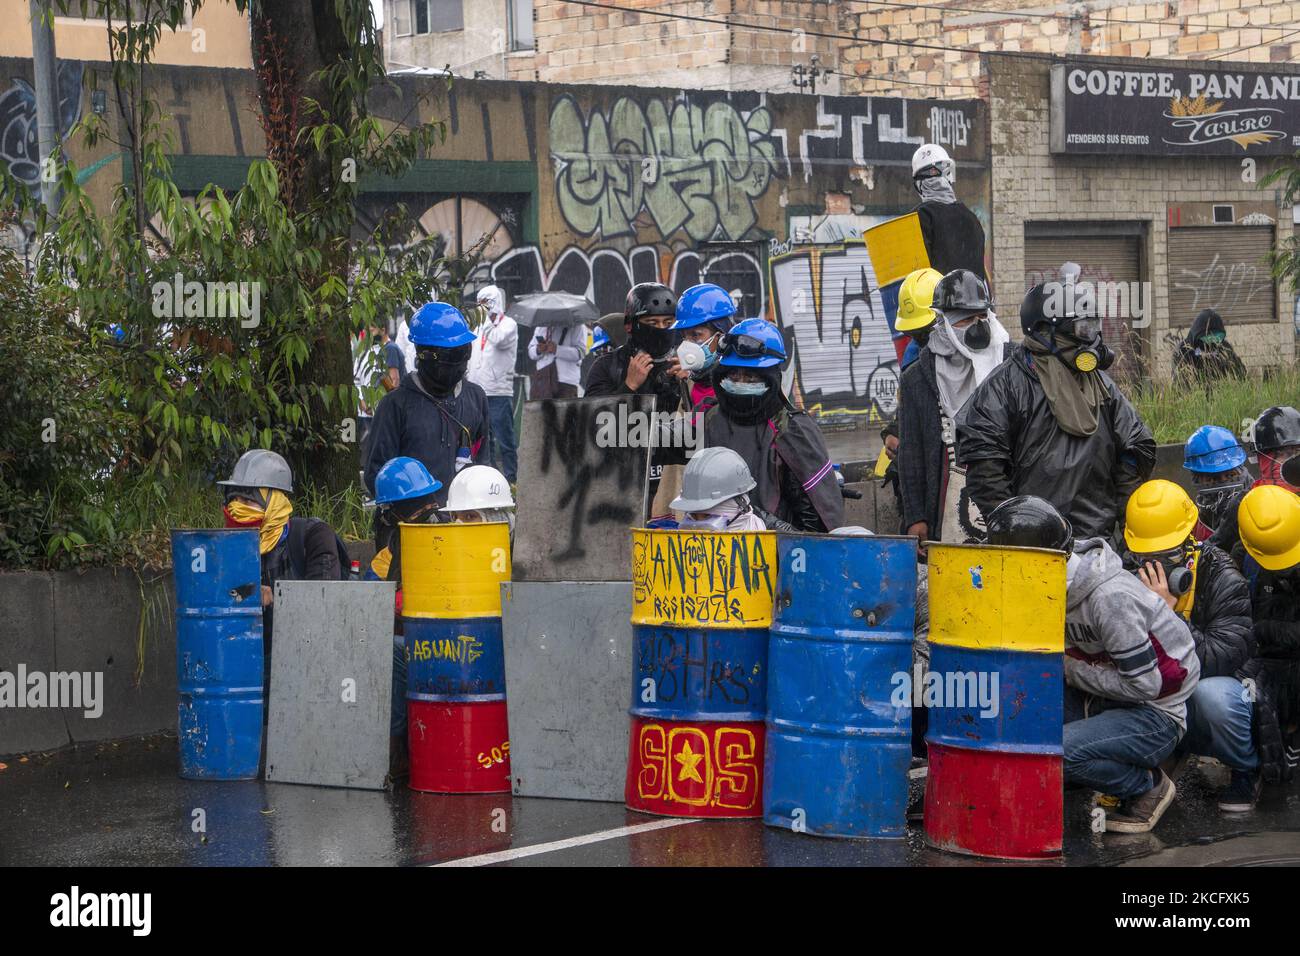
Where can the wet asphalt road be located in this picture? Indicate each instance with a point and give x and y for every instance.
(123, 804)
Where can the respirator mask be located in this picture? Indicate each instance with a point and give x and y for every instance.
(1089, 353)
(1173, 562)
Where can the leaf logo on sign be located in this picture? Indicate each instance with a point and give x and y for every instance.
(1207, 122)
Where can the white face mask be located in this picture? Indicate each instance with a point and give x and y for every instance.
(695, 357)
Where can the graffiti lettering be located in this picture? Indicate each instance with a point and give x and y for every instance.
(701, 578)
(19, 146)
(1224, 286)
(948, 127)
(695, 665)
(684, 765)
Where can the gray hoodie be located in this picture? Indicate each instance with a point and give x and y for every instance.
(1122, 642)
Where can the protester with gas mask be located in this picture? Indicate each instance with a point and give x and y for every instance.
(1269, 519)
(645, 363)
(781, 446)
(954, 238)
(1217, 463)
(965, 344)
(492, 368)
(1130, 667)
(1202, 586)
(705, 312)
(1206, 355)
(1050, 422)
(1277, 441)
(434, 416)
(715, 493)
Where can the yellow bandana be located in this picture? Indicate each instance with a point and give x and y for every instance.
(272, 520)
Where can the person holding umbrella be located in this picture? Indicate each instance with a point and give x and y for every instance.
(558, 341)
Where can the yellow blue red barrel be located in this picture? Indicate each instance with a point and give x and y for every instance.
(219, 658)
(455, 686)
(701, 607)
(838, 732)
(994, 694)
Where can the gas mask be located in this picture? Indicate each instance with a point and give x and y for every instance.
(657, 343)
(696, 358)
(1213, 501)
(977, 335)
(442, 369)
(1088, 352)
(1173, 562)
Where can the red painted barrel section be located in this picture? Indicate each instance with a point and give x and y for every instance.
(464, 747)
(680, 768)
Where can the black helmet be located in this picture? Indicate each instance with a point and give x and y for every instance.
(1027, 521)
(1291, 471)
(1277, 427)
(1035, 311)
(962, 293)
(649, 298)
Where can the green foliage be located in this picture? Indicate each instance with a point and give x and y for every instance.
(1174, 410)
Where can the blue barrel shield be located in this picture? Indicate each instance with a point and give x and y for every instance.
(219, 662)
(838, 729)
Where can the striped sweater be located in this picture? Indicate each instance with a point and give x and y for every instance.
(1122, 642)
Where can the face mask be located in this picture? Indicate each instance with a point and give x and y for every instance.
(1178, 577)
(711, 523)
(750, 389)
(440, 378)
(1213, 501)
(695, 358)
(656, 342)
(977, 335)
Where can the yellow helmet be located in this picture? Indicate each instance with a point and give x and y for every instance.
(1269, 519)
(1159, 517)
(915, 299)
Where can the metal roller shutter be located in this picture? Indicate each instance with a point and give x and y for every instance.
(1101, 259)
(1224, 268)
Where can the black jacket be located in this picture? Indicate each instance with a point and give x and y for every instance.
(922, 461)
(1220, 620)
(1012, 445)
(787, 456)
(608, 376)
(1194, 359)
(411, 422)
(954, 238)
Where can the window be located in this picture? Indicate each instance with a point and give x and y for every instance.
(430, 16)
(401, 14)
(521, 24)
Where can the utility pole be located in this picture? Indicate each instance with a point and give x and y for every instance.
(806, 76)
(44, 65)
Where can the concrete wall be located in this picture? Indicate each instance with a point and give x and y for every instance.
(1030, 184)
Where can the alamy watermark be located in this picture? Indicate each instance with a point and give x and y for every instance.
(1129, 302)
(179, 299)
(953, 689)
(75, 690)
(633, 429)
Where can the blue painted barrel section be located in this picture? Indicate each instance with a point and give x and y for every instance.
(838, 727)
(682, 673)
(1002, 700)
(455, 659)
(219, 659)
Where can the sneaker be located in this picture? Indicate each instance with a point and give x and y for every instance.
(1242, 793)
(1140, 814)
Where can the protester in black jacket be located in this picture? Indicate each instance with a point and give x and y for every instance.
(645, 363)
(1206, 354)
(1042, 425)
(953, 236)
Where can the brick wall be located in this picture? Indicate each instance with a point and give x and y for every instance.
(576, 44)
(1254, 31)
(1031, 184)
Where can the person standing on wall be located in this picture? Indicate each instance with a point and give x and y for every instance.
(954, 238)
(492, 368)
(434, 416)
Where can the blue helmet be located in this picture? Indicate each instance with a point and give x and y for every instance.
(1213, 449)
(439, 325)
(703, 303)
(403, 478)
(752, 343)
(599, 338)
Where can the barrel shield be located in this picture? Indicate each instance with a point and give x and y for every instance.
(454, 660)
(694, 674)
(995, 700)
(219, 653)
(464, 746)
(997, 598)
(703, 578)
(696, 769)
(454, 570)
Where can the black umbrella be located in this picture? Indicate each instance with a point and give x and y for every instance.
(553, 310)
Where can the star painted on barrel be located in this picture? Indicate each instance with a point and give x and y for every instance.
(689, 761)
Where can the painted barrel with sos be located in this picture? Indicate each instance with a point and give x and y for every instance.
(701, 607)
(994, 693)
(219, 660)
(455, 685)
(838, 734)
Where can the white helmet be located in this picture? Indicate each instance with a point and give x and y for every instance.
(478, 488)
(713, 476)
(932, 154)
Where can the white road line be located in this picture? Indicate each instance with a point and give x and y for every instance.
(487, 859)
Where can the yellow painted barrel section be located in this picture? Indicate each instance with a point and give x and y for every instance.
(454, 570)
(991, 598)
(712, 579)
(896, 247)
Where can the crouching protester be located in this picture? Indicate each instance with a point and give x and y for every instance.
(1130, 667)
(1269, 518)
(781, 446)
(715, 494)
(1202, 586)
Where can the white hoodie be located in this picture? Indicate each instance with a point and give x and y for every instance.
(492, 363)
